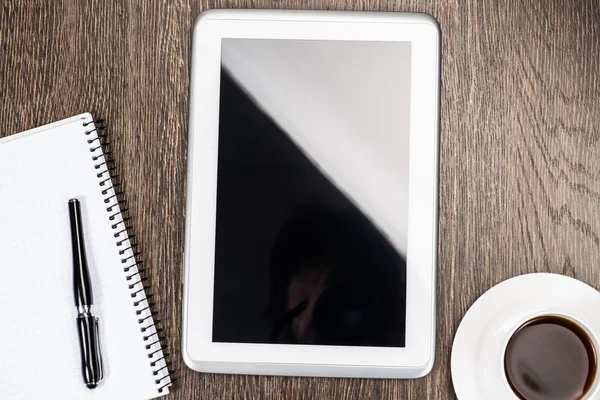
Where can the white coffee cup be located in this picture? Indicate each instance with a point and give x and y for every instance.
(478, 352)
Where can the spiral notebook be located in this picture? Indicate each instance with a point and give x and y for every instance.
(40, 170)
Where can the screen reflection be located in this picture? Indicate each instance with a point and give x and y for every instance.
(312, 193)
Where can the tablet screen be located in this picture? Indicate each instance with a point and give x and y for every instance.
(312, 192)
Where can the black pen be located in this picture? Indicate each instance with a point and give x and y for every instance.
(87, 324)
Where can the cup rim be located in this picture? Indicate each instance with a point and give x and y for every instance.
(594, 389)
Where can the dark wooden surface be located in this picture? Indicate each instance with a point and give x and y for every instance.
(520, 145)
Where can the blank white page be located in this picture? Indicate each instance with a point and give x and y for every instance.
(40, 170)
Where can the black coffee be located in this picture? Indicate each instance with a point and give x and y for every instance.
(550, 358)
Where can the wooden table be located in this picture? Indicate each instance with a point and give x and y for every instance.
(520, 145)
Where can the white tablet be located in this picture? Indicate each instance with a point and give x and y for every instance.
(311, 232)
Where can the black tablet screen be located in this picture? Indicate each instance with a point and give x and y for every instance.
(312, 193)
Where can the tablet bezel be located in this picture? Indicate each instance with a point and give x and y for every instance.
(199, 351)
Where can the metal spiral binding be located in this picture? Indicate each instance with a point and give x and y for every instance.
(135, 273)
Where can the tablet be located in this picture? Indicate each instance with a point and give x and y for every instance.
(311, 230)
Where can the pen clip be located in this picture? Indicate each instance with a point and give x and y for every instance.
(99, 351)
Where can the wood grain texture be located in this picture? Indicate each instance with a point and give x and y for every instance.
(520, 145)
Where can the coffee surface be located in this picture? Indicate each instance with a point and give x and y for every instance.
(550, 358)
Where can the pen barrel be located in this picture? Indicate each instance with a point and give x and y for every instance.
(82, 287)
(91, 364)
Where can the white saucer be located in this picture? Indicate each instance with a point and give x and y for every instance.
(478, 350)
